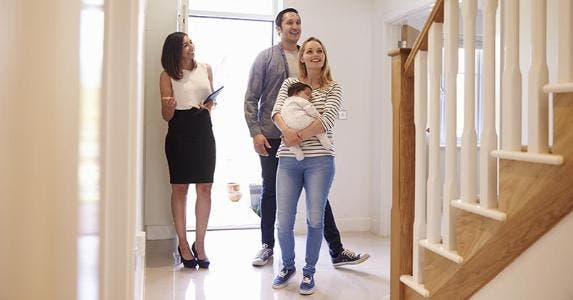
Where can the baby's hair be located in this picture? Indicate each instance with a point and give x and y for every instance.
(297, 87)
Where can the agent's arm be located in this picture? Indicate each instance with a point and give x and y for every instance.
(168, 103)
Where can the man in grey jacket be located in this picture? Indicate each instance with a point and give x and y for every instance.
(271, 67)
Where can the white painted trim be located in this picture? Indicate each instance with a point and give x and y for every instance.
(139, 290)
(420, 179)
(419, 288)
(487, 164)
(277, 6)
(550, 159)
(482, 211)
(439, 249)
(206, 13)
(559, 88)
(121, 140)
(375, 226)
(182, 15)
(511, 81)
(451, 181)
(434, 204)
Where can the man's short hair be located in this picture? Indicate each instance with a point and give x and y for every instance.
(279, 18)
(297, 87)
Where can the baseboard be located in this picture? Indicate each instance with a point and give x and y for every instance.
(160, 232)
(166, 232)
(139, 278)
(378, 228)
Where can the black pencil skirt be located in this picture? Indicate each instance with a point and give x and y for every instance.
(190, 147)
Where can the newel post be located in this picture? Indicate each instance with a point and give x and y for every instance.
(403, 153)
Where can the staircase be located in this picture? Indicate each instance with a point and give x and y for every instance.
(451, 237)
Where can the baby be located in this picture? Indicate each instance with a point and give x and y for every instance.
(298, 113)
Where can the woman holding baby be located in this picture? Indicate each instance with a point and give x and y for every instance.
(315, 172)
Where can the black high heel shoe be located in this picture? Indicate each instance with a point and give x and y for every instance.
(203, 263)
(187, 263)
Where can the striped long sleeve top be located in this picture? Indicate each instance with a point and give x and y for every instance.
(327, 101)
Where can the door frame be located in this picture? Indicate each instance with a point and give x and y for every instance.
(121, 242)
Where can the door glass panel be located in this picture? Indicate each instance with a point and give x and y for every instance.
(230, 46)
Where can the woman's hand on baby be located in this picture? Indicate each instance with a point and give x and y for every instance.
(291, 138)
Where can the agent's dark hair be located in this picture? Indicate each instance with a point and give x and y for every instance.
(297, 87)
(171, 55)
(279, 18)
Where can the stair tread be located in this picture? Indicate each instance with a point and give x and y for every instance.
(566, 87)
(475, 208)
(543, 158)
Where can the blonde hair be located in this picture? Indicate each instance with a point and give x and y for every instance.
(325, 74)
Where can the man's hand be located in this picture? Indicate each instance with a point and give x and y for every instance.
(261, 144)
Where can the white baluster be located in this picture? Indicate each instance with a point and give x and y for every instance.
(511, 79)
(488, 164)
(420, 118)
(565, 50)
(435, 70)
(451, 45)
(538, 112)
(469, 137)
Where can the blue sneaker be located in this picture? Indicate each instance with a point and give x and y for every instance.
(306, 286)
(283, 278)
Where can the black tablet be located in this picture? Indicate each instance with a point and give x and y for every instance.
(213, 95)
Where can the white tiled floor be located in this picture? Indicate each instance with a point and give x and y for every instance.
(231, 275)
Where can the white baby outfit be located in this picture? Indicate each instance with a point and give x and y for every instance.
(298, 113)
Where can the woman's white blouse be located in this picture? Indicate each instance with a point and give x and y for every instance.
(191, 90)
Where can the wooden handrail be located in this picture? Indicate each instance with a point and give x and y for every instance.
(421, 43)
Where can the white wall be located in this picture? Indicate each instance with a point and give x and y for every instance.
(161, 20)
(544, 271)
(347, 32)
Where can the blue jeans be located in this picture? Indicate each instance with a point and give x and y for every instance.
(315, 175)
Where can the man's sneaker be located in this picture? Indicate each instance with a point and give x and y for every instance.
(283, 278)
(306, 286)
(347, 257)
(263, 256)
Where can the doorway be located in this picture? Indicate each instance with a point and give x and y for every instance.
(238, 173)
